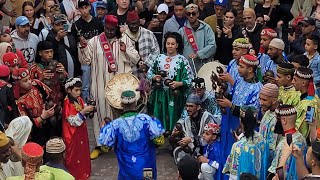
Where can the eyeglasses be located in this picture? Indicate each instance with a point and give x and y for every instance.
(191, 13)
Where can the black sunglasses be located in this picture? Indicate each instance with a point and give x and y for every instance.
(191, 13)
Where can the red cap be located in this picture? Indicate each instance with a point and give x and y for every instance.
(112, 20)
(4, 71)
(132, 16)
(10, 59)
(249, 60)
(20, 73)
(269, 33)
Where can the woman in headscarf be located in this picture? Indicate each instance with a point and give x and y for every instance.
(7, 47)
(19, 130)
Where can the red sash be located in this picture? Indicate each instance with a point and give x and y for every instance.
(191, 39)
(107, 53)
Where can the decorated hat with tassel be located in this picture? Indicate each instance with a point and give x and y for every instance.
(306, 74)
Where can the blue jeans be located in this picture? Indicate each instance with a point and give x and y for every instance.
(86, 70)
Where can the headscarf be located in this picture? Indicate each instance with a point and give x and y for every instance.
(3, 49)
(19, 130)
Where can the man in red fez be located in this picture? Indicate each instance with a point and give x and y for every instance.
(85, 28)
(107, 54)
(8, 110)
(31, 102)
(144, 40)
(245, 92)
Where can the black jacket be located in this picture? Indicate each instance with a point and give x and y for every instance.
(224, 46)
(61, 55)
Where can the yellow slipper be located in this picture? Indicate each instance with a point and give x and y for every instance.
(95, 154)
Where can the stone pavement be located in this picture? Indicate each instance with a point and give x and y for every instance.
(106, 166)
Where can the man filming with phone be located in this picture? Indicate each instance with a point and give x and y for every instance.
(285, 126)
(65, 49)
(312, 160)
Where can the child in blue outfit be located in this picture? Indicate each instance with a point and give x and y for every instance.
(312, 46)
(211, 166)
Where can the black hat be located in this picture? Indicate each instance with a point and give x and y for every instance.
(44, 45)
(82, 3)
(308, 20)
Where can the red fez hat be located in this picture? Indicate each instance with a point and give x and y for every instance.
(10, 59)
(4, 71)
(112, 20)
(132, 16)
(20, 73)
(32, 154)
(269, 32)
(249, 60)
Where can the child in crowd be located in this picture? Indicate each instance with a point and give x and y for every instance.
(211, 166)
(300, 61)
(312, 47)
(74, 130)
(49, 71)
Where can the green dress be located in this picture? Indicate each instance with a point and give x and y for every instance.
(163, 104)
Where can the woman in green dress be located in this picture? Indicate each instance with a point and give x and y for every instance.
(171, 77)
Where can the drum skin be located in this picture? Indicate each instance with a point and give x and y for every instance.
(206, 70)
(119, 83)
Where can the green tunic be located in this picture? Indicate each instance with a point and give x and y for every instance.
(163, 104)
(289, 95)
(301, 108)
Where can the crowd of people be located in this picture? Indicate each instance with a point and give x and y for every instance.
(230, 87)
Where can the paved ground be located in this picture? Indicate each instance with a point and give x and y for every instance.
(106, 166)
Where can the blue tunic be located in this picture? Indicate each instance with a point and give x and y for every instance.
(213, 152)
(132, 138)
(233, 71)
(246, 156)
(244, 94)
(267, 64)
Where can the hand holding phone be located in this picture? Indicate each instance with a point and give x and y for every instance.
(66, 27)
(280, 173)
(289, 139)
(309, 114)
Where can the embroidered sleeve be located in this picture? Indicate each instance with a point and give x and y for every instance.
(152, 70)
(228, 167)
(214, 164)
(187, 74)
(155, 128)
(107, 135)
(24, 112)
(76, 120)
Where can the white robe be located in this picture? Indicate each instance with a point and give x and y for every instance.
(93, 55)
(19, 130)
